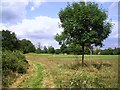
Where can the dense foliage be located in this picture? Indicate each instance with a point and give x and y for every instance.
(10, 42)
(12, 63)
(85, 24)
(26, 46)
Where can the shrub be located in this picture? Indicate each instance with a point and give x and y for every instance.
(12, 62)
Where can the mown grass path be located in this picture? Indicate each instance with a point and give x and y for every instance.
(35, 81)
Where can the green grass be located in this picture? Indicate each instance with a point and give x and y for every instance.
(72, 57)
(35, 80)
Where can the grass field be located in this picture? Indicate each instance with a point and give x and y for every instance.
(87, 57)
(65, 71)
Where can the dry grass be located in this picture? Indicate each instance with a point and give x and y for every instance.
(59, 70)
(50, 63)
(24, 77)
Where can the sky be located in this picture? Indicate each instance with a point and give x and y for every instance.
(38, 21)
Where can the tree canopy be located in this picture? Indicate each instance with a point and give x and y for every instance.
(9, 40)
(26, 46)
(85, 24)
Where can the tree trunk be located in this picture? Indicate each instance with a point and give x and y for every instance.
(83, 55)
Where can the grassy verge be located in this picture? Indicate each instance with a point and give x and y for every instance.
(35, 81)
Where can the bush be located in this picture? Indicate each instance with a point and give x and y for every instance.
(12, 62)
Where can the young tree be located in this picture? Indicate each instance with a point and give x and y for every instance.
(85, 24)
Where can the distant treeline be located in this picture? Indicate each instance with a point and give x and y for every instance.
(75, 51)
(10, 42)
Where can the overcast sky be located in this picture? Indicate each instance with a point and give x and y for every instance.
(37, 20)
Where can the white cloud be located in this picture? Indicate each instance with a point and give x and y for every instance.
(114, 33)
(40, 29)
(14, 11)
